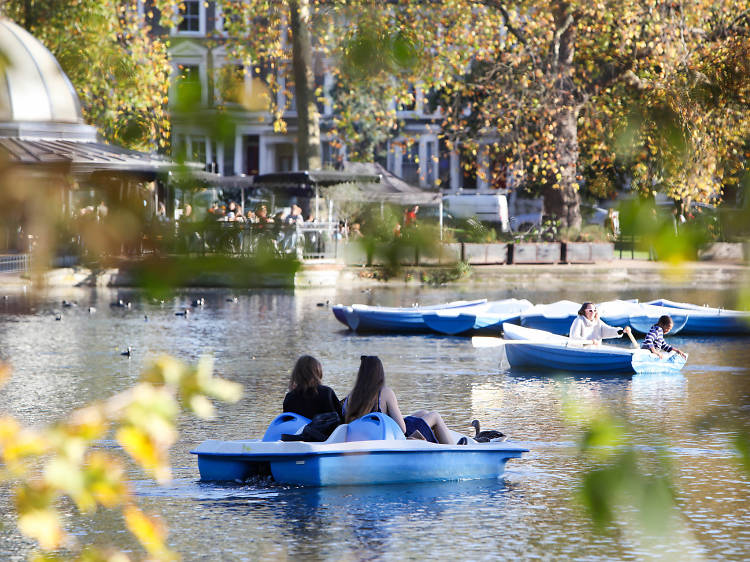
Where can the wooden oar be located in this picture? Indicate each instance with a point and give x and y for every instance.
(632, 339)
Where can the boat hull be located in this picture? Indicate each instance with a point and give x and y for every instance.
(370, 450)
(529, 348)
(363, 318)
(707, 320)
(370, 462)
(483, 318)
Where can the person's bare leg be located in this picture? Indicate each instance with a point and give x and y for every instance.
(435, 421)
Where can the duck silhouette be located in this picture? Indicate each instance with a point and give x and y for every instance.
(128, 352)
(233, 299)
(92, 310)
(69, 304)
(199, 302)
(184, 312)
(487, 435)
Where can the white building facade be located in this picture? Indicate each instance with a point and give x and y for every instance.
(417, 154)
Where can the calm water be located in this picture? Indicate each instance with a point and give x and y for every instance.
(530, 514)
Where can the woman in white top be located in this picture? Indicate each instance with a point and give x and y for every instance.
(588, 326)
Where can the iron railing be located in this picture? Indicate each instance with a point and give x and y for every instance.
(15, 263)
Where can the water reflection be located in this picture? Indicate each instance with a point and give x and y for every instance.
(61, 365)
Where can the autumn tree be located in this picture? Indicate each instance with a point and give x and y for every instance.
(651, 90)
(119, 69)
(559, 95)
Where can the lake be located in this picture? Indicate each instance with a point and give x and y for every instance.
(531, 513)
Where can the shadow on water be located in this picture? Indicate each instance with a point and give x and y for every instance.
(311, 521)
(372, 514)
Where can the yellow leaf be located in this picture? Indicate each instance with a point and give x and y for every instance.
(201, 406)
(139, 446)
(4, 373)
(149, 531)
(43, 526)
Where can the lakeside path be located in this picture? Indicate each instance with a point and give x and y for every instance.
(624, 273)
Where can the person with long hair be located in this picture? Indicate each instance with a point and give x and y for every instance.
(370, 394)
(307, 395)
(588, 326)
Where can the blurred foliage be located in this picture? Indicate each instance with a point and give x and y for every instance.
(394, 245)
(118, 68)
(473, 230)
(588, 233)
(659, 230)
(159, 275)
(547, 231)
(63, 465)
(624, 484)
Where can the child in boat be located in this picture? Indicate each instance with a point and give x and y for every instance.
(655, 338)
(307, 396)
(588, 326)
(371, 395)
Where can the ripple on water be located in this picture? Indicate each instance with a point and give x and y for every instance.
(530, 513)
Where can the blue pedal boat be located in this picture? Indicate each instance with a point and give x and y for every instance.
(639, 316)
(369, 450)
(555, 317)
(706, 319)
(529, 348)
(486, 317)
(400, 320)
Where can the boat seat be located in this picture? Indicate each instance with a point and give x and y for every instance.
(339, 434)
(374, 427)
(288, 422)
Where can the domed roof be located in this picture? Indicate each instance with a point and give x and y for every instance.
(33, 87)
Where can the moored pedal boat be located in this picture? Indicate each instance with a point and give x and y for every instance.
(365, 318)
(529, 348)
(639, 316)
(706, 319)
(487, 316)
(369, 450)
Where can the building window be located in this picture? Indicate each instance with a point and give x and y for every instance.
(410, 164)
(410, 103)
(284, 157)
(444, 165)
(468, 163)
(326, 154)
(193, 148)
(189, 87)
(192, 17)
(429, 163)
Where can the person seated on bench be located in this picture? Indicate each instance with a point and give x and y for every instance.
(370, 394)
(588, 326)
(307, 395)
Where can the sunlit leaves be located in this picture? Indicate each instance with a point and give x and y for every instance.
(621, 480)
(63, 461)
(150, 532)
(117, 67)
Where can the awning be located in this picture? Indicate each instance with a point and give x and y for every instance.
(83, 157)
(370, 182)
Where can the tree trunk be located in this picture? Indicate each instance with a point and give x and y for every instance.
(564, 201)
(308, 126)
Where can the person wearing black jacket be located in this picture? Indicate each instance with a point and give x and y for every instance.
(307, 395)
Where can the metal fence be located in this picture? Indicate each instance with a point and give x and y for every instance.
(15, 263)
(308, 241)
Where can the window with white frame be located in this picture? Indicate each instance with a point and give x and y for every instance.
(410, 163)
(193, 148)
(188, 88)
(191, 18)
(428, 162)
